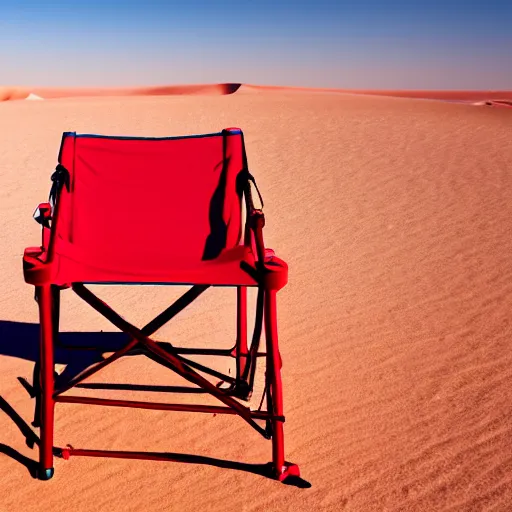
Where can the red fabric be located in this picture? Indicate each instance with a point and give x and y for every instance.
(150, 210)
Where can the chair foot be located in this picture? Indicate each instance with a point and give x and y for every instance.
(288, 471)
(291, 476)
(45, 474)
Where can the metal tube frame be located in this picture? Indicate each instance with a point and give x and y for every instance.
(48, 297)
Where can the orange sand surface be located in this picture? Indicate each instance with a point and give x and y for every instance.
(395, 216)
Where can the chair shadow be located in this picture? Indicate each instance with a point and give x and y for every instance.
(31, 438)
(30, 464)
(21, 340)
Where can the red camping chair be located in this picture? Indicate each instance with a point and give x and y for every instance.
(157, 211)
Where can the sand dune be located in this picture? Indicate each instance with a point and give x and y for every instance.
(490, 98)
(395, 218)
(16, 93)
(33, 97)
(422, 94)
(444, 95)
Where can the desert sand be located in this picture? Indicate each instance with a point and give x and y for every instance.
(395, 217)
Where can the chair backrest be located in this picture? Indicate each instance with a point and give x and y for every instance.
(179, 197)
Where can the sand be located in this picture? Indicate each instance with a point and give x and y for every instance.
(395, 217)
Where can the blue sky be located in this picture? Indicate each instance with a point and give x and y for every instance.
(323, 43)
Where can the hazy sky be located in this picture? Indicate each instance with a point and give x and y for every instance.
(322, 43)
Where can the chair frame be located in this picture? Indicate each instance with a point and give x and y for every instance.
(50, 391)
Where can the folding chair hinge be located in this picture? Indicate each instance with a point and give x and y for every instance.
(241, 389)
(257, 219)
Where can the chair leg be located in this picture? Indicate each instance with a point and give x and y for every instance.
(46, 318)
(282, 470)
(241, 349)
(274, 384)
(36, 377)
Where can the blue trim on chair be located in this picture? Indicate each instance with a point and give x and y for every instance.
(121, 137)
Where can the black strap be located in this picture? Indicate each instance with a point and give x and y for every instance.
(60, 178)
(250, 370)
(250, 178)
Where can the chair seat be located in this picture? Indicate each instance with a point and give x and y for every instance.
(233, 267)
